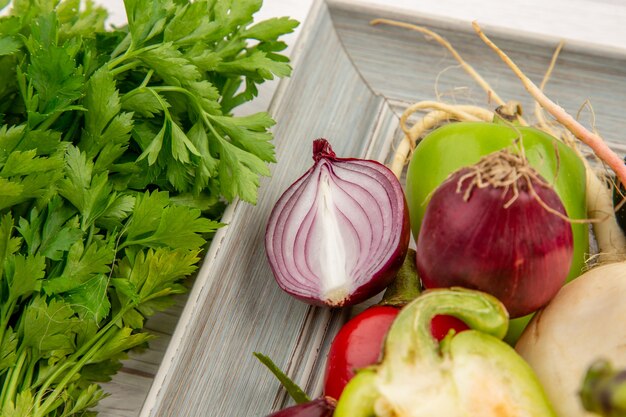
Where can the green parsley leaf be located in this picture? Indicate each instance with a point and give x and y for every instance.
(86, 398)
(155, 223)
(142, 102)
(270, 29)
(22, 407)
(189, 25)
(8, 349)
(256, 64)
(90, 299)
(170, 64)
(9, 45)
(82, 263)
(123, 340)
(106, 131)
(23, 275)
(146, 18)
(249, 133)
(48, 327)
(239, 172)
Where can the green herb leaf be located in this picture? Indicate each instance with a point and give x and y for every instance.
(155, 223)
(23, 275)
(90, 299)
(9, 45)
(8, 349)
(22, 407)
(239, 172)
(106, 131)
(270, 29)
(170, 64)
(48, 327)
(81, 264)
(189, 25)
(146, 18)
(123, 340)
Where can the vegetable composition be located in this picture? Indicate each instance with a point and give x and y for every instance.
(117, 147)
(501, 214)
(583, 323)
(498, 227)
(470, 373)
(339, 234)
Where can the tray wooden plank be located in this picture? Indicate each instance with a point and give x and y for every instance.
(350, 84)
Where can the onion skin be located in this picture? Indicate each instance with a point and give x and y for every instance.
(521, 254)
(339, 234)
(320, 407)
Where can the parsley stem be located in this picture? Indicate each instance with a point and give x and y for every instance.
(130, 54)
(45, 125)
(13, 379)
(28, 377)
(146, 80)
(125, 67)
(123, 46)
(58, 390)
(97, 340)
(7, 312)
(201, 112)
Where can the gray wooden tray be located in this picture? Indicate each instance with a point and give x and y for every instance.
(350, 84)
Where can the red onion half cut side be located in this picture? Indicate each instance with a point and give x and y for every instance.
(339, 234)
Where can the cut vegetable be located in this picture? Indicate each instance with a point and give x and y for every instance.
(339, 234)
(472, 373)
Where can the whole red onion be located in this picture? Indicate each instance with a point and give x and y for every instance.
(338, 235)
(500, 228)
(320, 407)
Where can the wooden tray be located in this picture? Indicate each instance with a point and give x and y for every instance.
(350, 84)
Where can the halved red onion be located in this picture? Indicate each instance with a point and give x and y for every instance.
(339, 234)
(498, 227)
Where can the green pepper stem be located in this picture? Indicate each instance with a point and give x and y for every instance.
(406, 286)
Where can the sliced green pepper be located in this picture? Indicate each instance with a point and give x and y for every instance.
(472, 373)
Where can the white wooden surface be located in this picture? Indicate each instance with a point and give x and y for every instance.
(599, 22)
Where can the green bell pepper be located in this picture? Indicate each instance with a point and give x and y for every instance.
(457, 145)
(472, 373)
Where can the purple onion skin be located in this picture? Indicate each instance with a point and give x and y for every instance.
(521, 254)
(379, 279)
(320, 407)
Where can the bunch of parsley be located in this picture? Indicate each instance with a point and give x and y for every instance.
(117, 148)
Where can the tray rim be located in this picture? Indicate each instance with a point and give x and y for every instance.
(464, 26)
